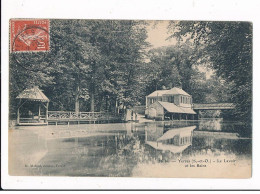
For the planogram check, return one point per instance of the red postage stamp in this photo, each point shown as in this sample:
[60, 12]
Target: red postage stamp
[29, 35]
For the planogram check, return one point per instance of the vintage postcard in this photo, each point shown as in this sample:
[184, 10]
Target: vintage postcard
[130, 98]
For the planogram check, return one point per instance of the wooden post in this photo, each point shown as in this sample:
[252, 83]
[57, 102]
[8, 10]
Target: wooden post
[47, 106]
[18, 115]
[18, 112]
[145, 129]
[39, 114]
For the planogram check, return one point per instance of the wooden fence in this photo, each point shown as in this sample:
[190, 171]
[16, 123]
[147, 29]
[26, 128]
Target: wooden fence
[67, 116]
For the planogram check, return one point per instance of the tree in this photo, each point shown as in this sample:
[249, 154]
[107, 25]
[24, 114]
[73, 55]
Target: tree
[21, 78]
[226, 47]
[95, 62]
[121, 45]
[176, 66]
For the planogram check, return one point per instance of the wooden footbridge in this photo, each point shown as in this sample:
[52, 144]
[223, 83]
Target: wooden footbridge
[214, 106]
[82, 117]
[37, 100]
[67, 117]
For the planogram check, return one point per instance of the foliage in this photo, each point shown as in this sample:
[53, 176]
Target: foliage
[92, 65]
[227, 48]
[98, 65]
[178, 66]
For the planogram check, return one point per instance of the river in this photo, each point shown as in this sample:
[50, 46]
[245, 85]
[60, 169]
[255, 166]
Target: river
[204, 148]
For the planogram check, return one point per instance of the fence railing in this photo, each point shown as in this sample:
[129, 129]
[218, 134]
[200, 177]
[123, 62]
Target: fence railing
[214, 106]
[87, 116]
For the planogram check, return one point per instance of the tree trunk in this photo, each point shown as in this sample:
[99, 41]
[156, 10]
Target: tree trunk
[116, 106]
[77, 91]
[77, 100]
[100, 103]
[92, 106]
[93, 85]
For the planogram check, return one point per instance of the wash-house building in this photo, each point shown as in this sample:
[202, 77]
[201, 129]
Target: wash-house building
[173, 104]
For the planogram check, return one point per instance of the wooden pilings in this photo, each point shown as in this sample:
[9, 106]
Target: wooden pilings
[180, 116]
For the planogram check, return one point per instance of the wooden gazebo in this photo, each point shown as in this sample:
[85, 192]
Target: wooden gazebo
[33, 107]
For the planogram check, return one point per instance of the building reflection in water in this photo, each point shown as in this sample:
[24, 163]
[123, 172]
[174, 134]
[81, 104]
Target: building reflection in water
[170, 143]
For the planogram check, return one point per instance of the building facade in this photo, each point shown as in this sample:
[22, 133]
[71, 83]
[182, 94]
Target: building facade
[170, 104]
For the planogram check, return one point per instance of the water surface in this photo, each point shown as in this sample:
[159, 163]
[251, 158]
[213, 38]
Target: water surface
[129, 149]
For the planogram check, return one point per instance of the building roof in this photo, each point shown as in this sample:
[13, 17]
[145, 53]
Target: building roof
[177, 91]
[33, 94]
[188, 110]
[172, 108]
[158, 93]
[173, 91]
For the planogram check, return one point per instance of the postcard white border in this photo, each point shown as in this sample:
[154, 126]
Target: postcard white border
[235, 10]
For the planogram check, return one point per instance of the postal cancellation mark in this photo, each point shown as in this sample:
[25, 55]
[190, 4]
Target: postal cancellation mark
[29, 35]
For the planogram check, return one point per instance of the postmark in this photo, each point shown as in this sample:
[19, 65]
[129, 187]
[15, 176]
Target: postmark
[30, 35]
[30, 43]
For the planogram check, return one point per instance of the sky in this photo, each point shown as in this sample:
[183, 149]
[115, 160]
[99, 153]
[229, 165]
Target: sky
[158, 33]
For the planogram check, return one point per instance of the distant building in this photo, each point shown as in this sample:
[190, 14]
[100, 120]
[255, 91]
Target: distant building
[169, 104]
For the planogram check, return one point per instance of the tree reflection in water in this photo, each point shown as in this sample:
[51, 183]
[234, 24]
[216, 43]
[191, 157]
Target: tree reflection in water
[118, 150]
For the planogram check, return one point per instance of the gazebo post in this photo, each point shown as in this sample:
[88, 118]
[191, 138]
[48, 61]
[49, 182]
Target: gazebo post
[47, 105]
[39, 115]
[18, 116]
[36, 95]
[18, 112]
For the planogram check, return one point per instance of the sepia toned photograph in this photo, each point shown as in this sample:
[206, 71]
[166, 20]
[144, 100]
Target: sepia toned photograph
[130, 98]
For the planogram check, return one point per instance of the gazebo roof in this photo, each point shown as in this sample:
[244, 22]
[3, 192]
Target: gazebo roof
[33, 94]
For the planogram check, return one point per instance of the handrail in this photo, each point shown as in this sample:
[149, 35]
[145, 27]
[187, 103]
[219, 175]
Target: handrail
[69, 115]
[74, 111]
